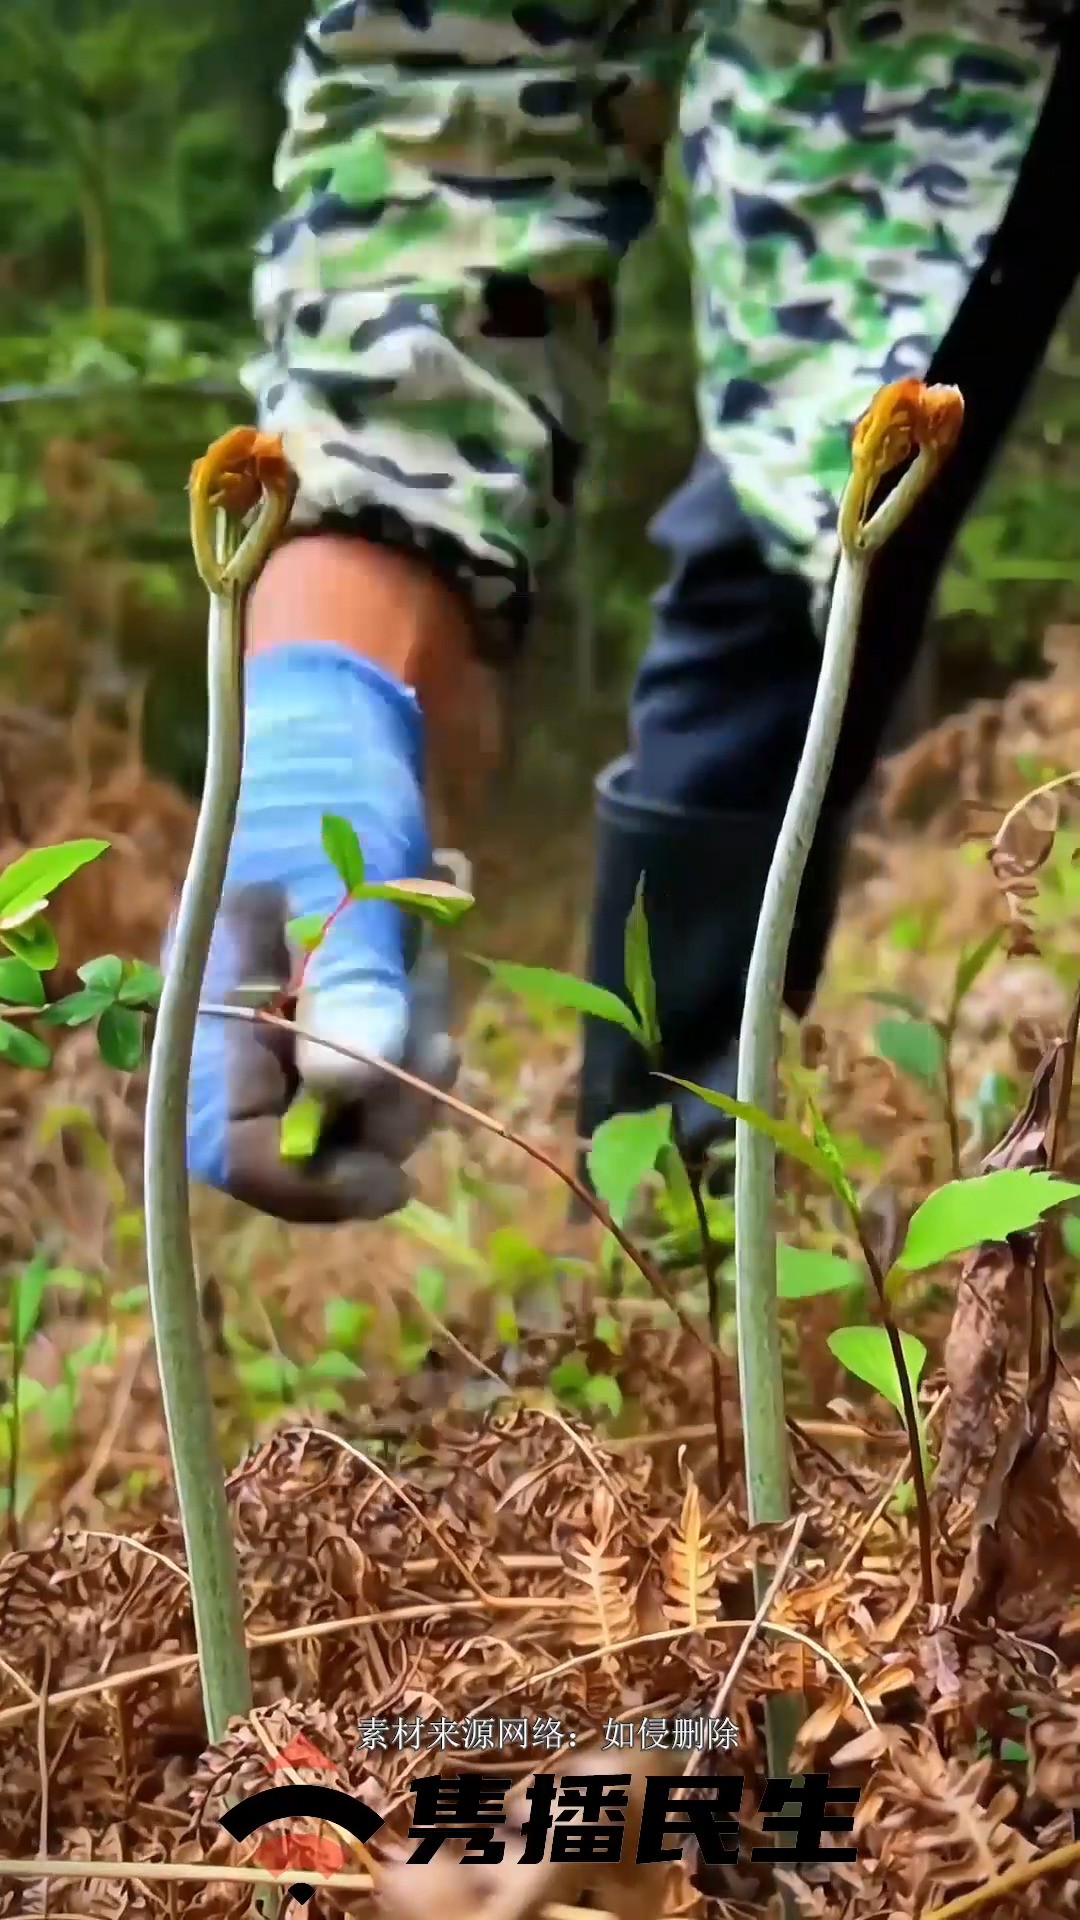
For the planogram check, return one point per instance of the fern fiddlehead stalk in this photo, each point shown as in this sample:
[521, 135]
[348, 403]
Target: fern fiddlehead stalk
[242, 477]
[904, 418]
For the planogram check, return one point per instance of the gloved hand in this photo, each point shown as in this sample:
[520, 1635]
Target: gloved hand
[325, 732]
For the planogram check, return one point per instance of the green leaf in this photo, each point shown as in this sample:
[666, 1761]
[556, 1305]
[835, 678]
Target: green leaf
[74, 1280]
[21, 984]
[35, 942]
[441, 1234]
[623, 1153]
[983, 1210]
[865, 1352]
[129, 1300]
[911, 932]
[104, 975]
[915, 1046]
[569, 1378]
[28, 1291]
[607, 1330]
[59, 1410]
[342, 849]
[75, 1009]
[141, 985]
[554, 989]
[972, 964]
[32, 1395]
[301, 1127]
[783, 1133]
[414, 1345]
[514, 1260]
[638, 973]
[802, 1272]
[21, 1048]
[129, 1224]
[347, 1321]
[306, 930]
[430, 1287]
[120, 1038]
[29, 881]
[603, 1394]
[434, 900]
[333, 1366]
[269, 1376]
[507, 1331]
[885, 997]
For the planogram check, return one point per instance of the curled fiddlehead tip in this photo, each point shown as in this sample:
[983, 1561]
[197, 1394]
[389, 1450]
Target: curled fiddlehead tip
[240, 471]
[905, 418]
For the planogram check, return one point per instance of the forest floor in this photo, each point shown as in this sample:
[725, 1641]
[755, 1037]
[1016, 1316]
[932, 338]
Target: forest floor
[438, 1513]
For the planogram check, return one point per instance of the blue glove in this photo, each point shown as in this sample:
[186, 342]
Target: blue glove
[325, 732]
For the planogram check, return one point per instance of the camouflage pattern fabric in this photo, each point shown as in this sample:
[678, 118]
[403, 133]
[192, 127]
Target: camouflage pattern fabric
[460, 179]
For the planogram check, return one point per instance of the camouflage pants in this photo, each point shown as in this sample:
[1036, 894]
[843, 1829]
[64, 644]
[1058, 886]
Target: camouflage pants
[459, 180]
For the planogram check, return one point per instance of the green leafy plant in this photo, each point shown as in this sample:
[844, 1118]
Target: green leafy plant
[115, 993]
[627, 1148]
[968, 1213]
[584, 1391]
[868, 1354]
[803, 1273]
[433, 900]
[922, 1047]
[28, 1405]
[622, 1154]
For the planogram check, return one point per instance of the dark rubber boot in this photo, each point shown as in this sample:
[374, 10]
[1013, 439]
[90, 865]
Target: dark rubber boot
[705, 876]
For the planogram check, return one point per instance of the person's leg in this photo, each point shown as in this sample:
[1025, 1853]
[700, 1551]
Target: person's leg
[723, 695]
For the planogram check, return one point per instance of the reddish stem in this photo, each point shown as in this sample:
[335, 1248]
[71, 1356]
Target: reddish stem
[291, 991]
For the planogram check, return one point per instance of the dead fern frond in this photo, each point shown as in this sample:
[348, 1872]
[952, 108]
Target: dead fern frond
[1019, 850]
[604, 1613]
[690, 1566]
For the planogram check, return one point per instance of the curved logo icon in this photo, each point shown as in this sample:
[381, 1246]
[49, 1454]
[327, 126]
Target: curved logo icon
[344, 1810]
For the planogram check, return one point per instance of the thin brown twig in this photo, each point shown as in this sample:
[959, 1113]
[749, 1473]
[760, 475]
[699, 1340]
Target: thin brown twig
[428, 1526]
[650, 1273]
[1009, 1882]
[879, 1507]
[576, 1440]
[17, 1680]
[1041, 1352]
[836, 1430]
[43, 1764]
[151, 1870]
[140, 1546]
[283, 1636]
[179, 1870]
[84, 1488]
[757, 1623]
[671, 1634]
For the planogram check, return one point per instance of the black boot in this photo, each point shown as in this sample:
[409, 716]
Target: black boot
[705, 877]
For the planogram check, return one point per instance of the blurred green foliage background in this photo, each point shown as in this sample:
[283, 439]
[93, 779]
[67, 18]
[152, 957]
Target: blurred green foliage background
[136, 145]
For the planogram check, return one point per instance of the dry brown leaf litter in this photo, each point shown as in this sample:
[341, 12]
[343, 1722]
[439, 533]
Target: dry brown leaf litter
[506, 1545]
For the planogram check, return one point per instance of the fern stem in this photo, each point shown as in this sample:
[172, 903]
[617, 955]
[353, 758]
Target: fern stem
[228, 564]
[174, 1297]
[902, 419]
[760, 1369]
